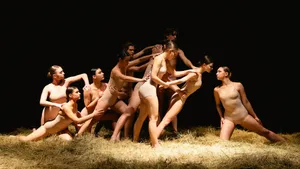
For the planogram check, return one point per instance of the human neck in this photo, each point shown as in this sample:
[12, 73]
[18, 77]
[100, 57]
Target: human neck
[226, 82]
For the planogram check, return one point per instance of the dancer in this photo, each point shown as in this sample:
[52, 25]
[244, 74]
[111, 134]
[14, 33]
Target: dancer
[147, 92]
[54, 94]
[134, 101]
[111, 93]
[164, 95]
[66, 115]
[234, 108]
[192, 84]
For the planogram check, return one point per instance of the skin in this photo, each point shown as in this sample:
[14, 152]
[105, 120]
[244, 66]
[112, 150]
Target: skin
[193, 82]
[149, 105]
[134, 101]
[94, 94]
[67, 115]
[129, 96]
[237, 109]
[110, 96]
[55, 91]
[163, 93]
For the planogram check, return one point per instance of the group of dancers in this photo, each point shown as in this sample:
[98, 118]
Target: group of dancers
[124, 95]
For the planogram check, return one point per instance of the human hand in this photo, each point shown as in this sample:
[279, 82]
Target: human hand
[58, 105]
[86, 87]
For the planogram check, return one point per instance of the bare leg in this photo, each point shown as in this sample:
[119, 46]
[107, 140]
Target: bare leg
[151, 108]
[129, 112]
[175, 108]
[128, 126]
[101, 107]
[36, 135]
[227, 129]
[139, 123]
[251, 124]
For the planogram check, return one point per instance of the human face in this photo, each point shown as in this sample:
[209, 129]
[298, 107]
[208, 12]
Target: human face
[172, 36]
[99, 75]
[130, 50]
[157, 48]
[60, 74]
[221, 74]
[209, 67]
[75, 94]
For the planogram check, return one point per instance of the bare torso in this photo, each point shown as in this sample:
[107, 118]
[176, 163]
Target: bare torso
[61, 121]
[231, 101]
[192, 85]
[56, 94]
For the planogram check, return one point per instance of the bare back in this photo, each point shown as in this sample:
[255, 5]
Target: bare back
[192, 85]
[61, 121]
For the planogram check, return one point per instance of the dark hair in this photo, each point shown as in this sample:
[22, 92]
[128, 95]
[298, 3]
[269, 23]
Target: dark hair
[123, 53]
[205, 60]
[171, 45]
[70, 90]
[171, 31]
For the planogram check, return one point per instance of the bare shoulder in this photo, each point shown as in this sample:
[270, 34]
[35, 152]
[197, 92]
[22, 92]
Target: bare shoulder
[48, 86]
[217, 88]
[238, 84]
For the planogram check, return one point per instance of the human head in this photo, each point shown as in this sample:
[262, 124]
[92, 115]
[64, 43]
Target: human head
[124, 58]
[171, 49]
[206, 63]
[128, 48]
[97, 75]
[171, 33]
[56, 72]
[72, 93]
[223, 72]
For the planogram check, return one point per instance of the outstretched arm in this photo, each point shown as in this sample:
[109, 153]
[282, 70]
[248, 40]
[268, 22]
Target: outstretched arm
[183, 79]
[117, 73]
[140, 53]
[139, 68]
[66, 108]
[186, 61]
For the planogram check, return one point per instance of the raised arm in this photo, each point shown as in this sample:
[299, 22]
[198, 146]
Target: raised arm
[75, 78]
[185, 60]
[140, 53]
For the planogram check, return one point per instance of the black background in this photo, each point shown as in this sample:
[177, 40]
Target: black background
[84, 35]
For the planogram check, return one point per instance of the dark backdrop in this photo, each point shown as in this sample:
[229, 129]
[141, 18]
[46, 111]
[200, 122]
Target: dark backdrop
[83, 35]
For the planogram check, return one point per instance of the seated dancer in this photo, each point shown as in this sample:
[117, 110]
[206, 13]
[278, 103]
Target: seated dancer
[66, 116]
